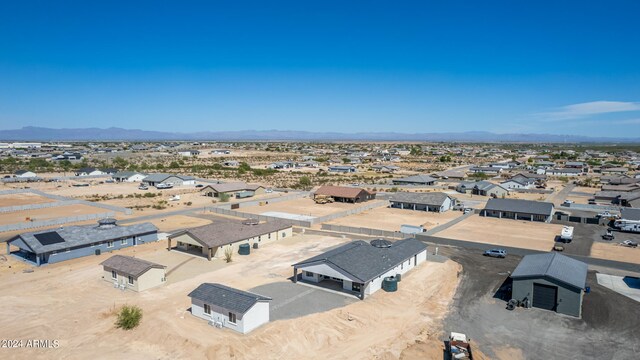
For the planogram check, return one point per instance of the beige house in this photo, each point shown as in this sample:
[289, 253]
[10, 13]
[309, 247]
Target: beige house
[126, 272]
[215, 190]
[214, 239]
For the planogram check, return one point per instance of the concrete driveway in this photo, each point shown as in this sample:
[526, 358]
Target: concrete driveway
[295, 300]
[627, 286]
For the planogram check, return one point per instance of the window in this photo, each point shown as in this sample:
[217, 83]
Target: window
[114, 275]
[124, 242]
[269, 237]
[130, 280]
[207, 309]
[232, 318]
[284, 234]
[308, 274]
[110, 244]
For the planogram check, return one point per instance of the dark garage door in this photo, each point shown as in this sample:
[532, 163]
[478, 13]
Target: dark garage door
[545, 296]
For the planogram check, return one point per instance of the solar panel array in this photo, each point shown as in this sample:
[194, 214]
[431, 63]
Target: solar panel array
[49, 238]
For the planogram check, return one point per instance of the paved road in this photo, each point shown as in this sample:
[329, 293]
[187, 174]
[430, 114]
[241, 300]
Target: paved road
[559, 197]
[445, 226]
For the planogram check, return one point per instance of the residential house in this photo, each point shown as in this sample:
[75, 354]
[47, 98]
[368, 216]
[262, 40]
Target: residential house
[25, 174]
[127, 272]
[431, 201]
[519, 209]
[174, 179]
[345, 194]
[216, 190]
[482, 188]
[419, 180]
[342, 168]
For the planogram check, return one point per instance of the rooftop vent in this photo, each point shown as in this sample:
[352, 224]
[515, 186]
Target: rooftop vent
[107, 223]
[250, 221]
[382, 244]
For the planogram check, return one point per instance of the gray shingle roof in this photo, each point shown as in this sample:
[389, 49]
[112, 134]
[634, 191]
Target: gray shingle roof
[520, 206]
[228, 231]
[160, 177]
[130, 265]
[232, 187]
[431, 198]
[553, 265]
[364, 262]
[416, 179]
[228, 298]
[126, 174]
[75, 236]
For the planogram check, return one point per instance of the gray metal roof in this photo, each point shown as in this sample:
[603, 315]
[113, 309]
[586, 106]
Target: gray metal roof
[553, 265]
[566, 170]
[431, 198]
[365, 262]
[520, 206]
[228, 298]
[130, 265]
[126, 174]
[160, 177]
[416, 179]
[229, 231]
[232, 187]
[75, 236]
[630, 214]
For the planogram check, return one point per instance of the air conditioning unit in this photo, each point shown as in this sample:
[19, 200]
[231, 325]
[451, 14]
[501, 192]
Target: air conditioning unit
[218, 324]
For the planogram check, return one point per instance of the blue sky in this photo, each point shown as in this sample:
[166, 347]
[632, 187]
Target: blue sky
[544, 67]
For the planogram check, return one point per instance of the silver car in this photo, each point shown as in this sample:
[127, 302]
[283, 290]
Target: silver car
[499, 253]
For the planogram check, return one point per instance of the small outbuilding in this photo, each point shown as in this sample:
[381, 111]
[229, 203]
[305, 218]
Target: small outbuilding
[345, 194]
[418, 180]
[550, 281]
[224, 306]
[519, 209]
[131, 273]
[431, 201]
[25, 174]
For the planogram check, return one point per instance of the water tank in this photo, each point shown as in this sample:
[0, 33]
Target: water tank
[255, 245]
[390, 284]
[97, 251]
[244, 249]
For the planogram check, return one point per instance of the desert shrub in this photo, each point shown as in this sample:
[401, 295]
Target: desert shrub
[228, 254]
[129, 317]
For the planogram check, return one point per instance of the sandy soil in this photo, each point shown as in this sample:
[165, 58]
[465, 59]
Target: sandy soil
[304, 206]
[23, 199]
[44, 214]
[527, 196]
[613, 251]
[579, 199]
[382, 326]
[506, 232]
[175, 222]
[391, 219]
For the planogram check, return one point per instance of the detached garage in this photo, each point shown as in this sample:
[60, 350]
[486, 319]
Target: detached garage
[550, 281]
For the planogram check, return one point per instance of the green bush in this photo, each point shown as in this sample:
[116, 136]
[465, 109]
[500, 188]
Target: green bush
[129, 317]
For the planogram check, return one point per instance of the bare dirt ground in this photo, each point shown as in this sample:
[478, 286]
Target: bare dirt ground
[382, 326]
[44, 214]
[527, 196]
[303, 206]
[23, 199]
[175, 222]
[613, 251]
[391, 219]
[506, 232]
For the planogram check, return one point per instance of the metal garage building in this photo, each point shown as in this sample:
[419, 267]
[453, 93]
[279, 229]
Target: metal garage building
[518, 209]
[550, 281]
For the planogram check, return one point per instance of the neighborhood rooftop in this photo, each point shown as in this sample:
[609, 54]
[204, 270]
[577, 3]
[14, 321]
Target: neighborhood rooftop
[431, 198]
[365, 262]
[228, 298]
[520, 206]
[130, 265]
[228, 231]
[553, 265]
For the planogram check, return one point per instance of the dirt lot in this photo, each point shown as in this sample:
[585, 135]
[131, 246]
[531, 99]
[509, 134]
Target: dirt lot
[506, 232]
[44, 214]
[304, 206]
[613, 251]
[382, 326]
[390, 219]
[23, 199]
[175, 222]
[606, 331]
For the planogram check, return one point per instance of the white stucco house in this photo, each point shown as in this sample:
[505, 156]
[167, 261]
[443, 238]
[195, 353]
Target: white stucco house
[223, 306]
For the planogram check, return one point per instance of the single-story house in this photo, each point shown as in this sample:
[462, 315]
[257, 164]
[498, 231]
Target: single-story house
[345, 194]
[431, 201]
[360, 267]
[614, 170]
[215, 190]
[25, 174]
[281, 165]
[550, 281]
[220, 152]
[385, 168]
[577, 165]
[128, 176]
[187, 153]
[70, 242]
[89, 172]
[622, 198]
[415, 180]
[518, 183]
[223, 306]
[518, 209]
[231, 163]
[342, 168]
[214, 239]
[486, 170]
[483, 188]
[564, 172]
[175, 180]
[127, 272]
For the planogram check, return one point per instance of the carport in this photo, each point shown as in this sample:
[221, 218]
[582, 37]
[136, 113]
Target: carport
[550, 281]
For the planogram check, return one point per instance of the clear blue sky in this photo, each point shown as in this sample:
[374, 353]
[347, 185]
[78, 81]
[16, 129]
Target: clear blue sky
[562, 67]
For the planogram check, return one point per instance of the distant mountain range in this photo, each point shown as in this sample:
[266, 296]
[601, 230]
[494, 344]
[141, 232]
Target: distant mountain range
[31, 133]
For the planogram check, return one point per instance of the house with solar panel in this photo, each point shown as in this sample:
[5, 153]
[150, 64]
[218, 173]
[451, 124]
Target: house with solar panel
[70, 242]
[223, 306]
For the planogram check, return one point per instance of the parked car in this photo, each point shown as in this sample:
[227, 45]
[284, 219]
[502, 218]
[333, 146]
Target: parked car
[199, 185]
[605, 214]
[608, 235]
[467, 210]
[558, 247]
[629, 243]
[499, 253]
[143, 187]
[568, 202]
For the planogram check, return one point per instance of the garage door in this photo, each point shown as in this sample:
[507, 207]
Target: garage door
[545, 296]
